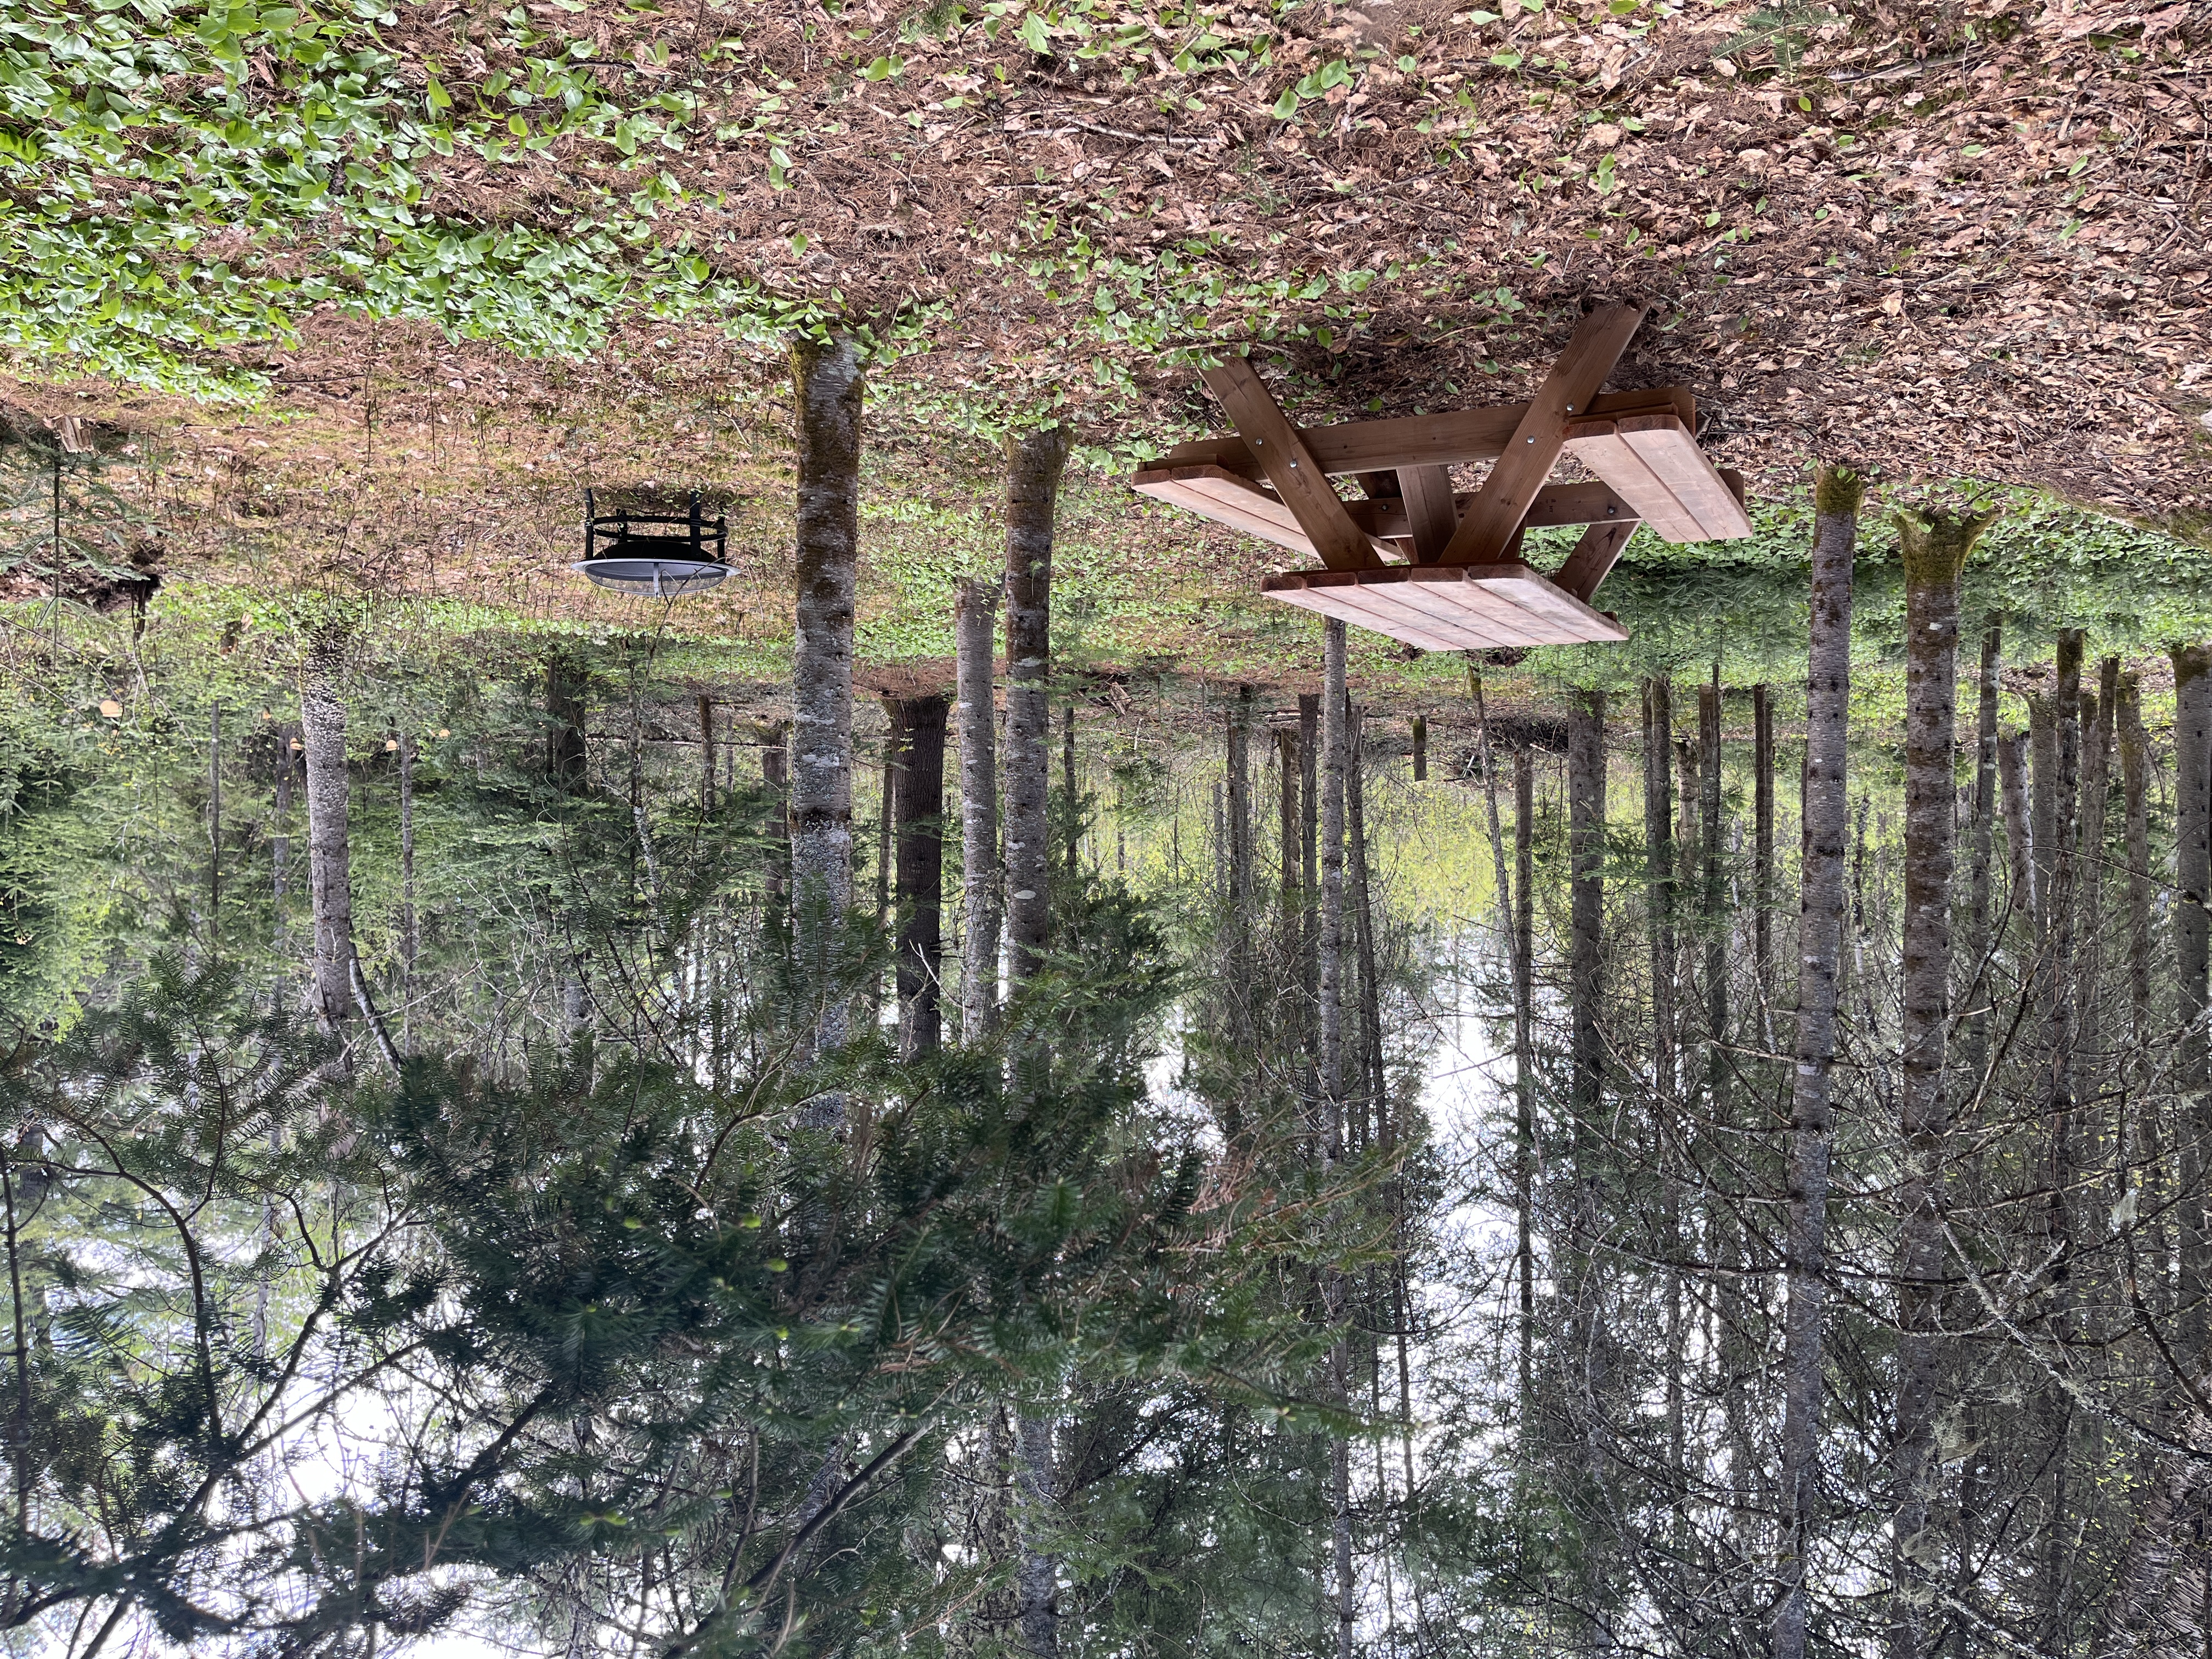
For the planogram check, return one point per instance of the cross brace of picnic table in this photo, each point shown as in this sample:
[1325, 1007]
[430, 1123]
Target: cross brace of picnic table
[1461, 584]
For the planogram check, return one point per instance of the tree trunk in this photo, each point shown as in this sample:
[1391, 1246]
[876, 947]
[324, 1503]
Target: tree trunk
[1377, 1106]
[1825, 813]
[280, 840]
[2043, 825]
[215, 826]
[1666, 1083]
[1034, 464]
[1762, 853]
[2192, 875]
[329, 877]
[775, 773]
[1420, 749]
[706, 753]
[1286, 765]
[827, 386]
[1713, 906]
[1329, 946]
[1586, 861]
[1659, 875]
[980, 884]
[1524, 1068]
[920, 815]
[2134, 795]
[1935, 550]
[2096, 795]
[2021, 899]
[1036, 1496]
[409, 933]
[1068, 790]
[2145, 1148]
[1589, 1349]
[1975, 1031]
[1329, 952]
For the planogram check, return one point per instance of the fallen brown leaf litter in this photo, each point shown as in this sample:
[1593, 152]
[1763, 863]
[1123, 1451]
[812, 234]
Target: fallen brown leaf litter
[1942, 246]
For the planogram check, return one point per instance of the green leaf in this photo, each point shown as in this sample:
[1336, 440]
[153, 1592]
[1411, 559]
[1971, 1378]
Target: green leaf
[1287, 105]
[1033, 36]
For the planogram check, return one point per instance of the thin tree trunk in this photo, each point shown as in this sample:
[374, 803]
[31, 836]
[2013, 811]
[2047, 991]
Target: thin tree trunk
[1586, 860]
[1524, 1069]
[1036, 1496]
[1975, 1031]
[1590, 1349]
[2143, 1148]
[1762, 853]
[280, 841]
[215, 826]
[1067, 785]
[1034, 460]
[1825, 814]
[775, 773]
[706, 753]
[2096, 796]
[409, 934]
[1420, 749]
[1286, 765]
[1237, 991]
[330, 878]
[2134, 799]
[2043, 826]
[1659, 875]
[1376, 1080]
[981, 886]
[2192, 875]
[1665, 1083]
[1935, 550]
[1713, 906]
[921, 859]
[2019, 849]
[827, 385]
[1330, 943]
[1329, 950]
[1034, 464]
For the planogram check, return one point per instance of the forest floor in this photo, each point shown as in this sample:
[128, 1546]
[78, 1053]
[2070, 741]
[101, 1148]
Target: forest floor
[1950, 245]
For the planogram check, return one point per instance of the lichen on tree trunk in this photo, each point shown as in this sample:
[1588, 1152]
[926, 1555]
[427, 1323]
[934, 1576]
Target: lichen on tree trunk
[826, 377]
[1934, 549]
[977, 610]
[1825, 814]
[1034, 464]
[330, 874]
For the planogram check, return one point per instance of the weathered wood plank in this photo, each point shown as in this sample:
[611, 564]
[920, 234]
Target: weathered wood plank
[1665, 446]
[1448, 438]
[1598, 445]
[1226, 498]
[1495, 514]
[1229, 498]
[1297, 478]
[1487, 608]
